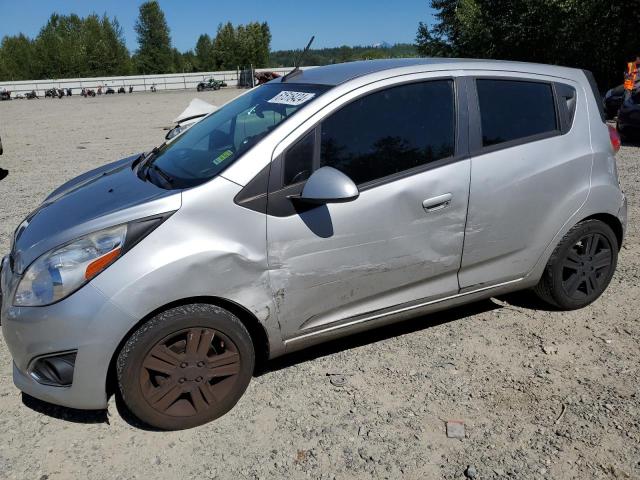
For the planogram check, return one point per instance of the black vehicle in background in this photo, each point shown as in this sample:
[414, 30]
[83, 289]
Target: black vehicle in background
[614, 98]
[211, 84]
[3, 172]
[628, 123]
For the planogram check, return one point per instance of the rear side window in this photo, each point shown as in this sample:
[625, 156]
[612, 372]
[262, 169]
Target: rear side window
[391, 131]
[513, 110]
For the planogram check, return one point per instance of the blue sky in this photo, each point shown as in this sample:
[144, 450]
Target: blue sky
[334, 22]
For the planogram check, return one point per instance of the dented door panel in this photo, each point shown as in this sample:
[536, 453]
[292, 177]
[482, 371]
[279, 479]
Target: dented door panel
[384, 249]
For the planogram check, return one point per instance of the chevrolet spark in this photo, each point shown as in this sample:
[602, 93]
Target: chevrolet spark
[324, 203]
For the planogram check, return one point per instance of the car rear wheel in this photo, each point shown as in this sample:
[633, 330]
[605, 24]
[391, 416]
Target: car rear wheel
[580, 267]
[185, 367]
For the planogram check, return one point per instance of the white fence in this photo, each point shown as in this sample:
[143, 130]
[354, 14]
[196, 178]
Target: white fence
[140, 83]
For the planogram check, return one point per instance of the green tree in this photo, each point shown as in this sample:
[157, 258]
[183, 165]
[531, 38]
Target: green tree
[47, 50]
[591, 34]
[154, 53]
[204, 53]
[242, 46]
[116, 60]
[225, 47]
[66, 46]
[326, 56]
[189, 61]
[16, 58]
[94, 48]
[263, 33]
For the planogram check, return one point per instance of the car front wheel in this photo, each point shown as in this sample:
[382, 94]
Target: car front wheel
[185, 367]
[580, 267]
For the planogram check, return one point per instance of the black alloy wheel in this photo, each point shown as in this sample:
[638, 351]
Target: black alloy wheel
[581, 266]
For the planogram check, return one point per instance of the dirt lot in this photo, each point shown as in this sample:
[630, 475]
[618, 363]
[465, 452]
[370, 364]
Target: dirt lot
[542, 394]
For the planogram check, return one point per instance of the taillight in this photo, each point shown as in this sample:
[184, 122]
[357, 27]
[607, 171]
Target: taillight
[614, 136]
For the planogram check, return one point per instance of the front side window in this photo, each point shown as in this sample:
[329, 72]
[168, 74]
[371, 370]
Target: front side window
[298, 164]
[213, 144]
[391, 131]
[512, 110]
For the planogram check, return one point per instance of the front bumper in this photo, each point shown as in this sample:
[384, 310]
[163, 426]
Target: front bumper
[86, 322]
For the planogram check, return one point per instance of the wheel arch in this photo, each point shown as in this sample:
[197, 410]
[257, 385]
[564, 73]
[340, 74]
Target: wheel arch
[612, 221]
[259, 335]
[609, 219]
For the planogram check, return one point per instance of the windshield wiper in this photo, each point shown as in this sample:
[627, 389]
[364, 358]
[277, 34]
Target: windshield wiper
[145, 161]
[165, 176]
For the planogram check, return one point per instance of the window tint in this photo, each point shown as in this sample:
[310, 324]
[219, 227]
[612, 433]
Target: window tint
[391, 131]
[298, 163]
[511, 110]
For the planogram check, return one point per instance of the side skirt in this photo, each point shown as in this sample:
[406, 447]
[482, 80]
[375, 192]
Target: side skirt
[398, 313]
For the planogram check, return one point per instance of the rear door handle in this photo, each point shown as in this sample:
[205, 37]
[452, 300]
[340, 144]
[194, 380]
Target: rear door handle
[437, 203]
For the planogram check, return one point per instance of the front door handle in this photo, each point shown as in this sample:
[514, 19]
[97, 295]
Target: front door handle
[437, 203]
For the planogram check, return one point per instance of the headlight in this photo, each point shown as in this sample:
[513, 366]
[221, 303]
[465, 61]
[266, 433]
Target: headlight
[62, 271]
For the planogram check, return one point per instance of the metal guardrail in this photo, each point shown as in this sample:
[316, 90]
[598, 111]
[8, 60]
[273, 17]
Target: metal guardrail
[140, 83]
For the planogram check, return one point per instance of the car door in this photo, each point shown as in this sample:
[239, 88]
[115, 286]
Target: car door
[531, 165]
[401, 239]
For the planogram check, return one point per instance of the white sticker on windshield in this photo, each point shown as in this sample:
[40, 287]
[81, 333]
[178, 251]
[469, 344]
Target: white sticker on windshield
[292, 98]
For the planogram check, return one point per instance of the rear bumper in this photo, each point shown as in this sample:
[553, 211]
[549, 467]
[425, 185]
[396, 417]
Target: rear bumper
[86, 322]
[622, 216]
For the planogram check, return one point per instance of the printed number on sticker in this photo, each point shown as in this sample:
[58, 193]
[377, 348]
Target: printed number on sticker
[292, 98]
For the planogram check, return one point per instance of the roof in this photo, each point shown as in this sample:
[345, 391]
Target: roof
[343, 72]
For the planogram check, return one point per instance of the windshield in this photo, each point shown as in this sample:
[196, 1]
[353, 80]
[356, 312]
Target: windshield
[213, 144]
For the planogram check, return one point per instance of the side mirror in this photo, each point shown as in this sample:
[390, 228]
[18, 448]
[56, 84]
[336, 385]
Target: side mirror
[328, 185]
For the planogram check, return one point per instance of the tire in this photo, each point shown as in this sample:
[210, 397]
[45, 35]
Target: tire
[581, 266]
[185, 367]
[199, 88]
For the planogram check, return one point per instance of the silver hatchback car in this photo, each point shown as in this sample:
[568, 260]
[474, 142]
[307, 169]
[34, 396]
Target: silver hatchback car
[322, 204]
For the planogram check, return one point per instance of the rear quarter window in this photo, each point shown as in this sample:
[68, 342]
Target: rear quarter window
[513, 110]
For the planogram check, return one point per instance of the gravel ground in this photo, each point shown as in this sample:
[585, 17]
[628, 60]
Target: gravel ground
[542, 394]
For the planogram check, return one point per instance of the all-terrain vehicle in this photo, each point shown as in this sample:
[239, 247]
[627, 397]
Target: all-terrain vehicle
[211, 84]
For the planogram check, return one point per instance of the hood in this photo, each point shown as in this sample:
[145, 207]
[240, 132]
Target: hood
[104, 197]
[197, 108]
